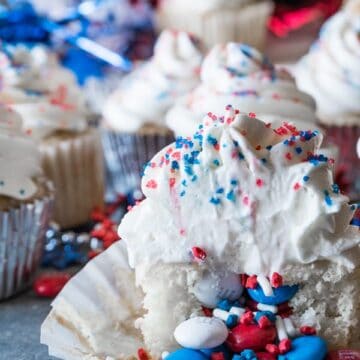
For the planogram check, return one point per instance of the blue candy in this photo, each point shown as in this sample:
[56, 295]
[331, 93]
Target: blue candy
[224, 305]
[232, 320]
[281, 295]
[187, 354]
[306, 348]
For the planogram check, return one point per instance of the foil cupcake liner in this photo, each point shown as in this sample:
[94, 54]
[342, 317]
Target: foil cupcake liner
[222, 26]
[76, 168]
[22, 232]
[125, 157]
[348, 164]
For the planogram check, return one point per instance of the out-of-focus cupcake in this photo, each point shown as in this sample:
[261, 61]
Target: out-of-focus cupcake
[240, 75]
[134, 115]
[55, 117]
[26, 199]
[218, 21]
[330, 72]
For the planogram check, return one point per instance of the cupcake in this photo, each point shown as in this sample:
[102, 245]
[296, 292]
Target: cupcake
[250, 253]
[218, 21]
[330, 72]
[239, 75]
[55, 117]
[132, 133]
[26, 199]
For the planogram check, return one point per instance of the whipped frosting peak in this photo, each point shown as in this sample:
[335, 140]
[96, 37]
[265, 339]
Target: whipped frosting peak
[238, 74]
[172, 72]
[20, 161]
[242, 192]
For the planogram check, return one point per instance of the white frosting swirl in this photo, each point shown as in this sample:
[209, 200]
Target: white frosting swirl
[44, 93]
[254, 199]
[20, 161]
[172, 72]
[239, 75]
[331, 70]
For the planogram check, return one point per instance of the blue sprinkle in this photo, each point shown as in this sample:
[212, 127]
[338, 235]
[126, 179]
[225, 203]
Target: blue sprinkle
[236, 144]
[335, 188]
[248, 355]
[232, 321]
[234, 182]
[224, 305]
[216, 162]
[298, 150]
[194, 178]
[183, 183]
[269, 147]
[241, 156]
[215, 201]
[210, 139]
[220, 191]
[182, 193]
[175, 165]
[231, 196]
[327, 198]
[263, 160]
[306, 178]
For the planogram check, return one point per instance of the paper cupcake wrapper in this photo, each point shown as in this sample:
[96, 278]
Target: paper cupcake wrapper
[75, 166]
[95, 312]
[125, 158]
[247, 24]
[22, 232]
[346, 138]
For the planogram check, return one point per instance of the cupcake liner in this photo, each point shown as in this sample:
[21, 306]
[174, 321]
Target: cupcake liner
[75, 166]
[22, 232]
[222, 26]
[95, 312]
[348, 164]
[125, 157]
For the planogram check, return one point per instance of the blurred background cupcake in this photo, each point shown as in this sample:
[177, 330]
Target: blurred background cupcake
[134, 115]
[218, 21]
[25, 205]
[239, 75]
[55, 117]
[330, 72]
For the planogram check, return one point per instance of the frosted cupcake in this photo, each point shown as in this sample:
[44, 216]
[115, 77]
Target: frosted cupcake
[133, 116]
[25, 205]
[218, 21]
[331, 74]
[55, 117]
[239, 75]
[250, 231]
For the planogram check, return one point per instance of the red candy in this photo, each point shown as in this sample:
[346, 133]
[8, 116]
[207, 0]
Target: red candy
[272, 349]
[285, 346]
[247, 318]
[142, 355]
[243, 337]
[344, 355]
[308, 330]
[217, 356]
[251, 282]
[276, 280]
[50, 285]
[264, 322]
[265, 356]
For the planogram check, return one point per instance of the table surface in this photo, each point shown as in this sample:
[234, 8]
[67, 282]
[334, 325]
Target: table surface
[21, 317]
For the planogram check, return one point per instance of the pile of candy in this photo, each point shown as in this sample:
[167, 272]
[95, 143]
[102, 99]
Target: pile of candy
[247, 325]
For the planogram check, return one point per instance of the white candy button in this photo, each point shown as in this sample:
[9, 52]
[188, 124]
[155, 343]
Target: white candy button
[211, 289]
[201, 333]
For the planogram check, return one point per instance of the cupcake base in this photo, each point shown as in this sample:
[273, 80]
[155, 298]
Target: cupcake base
[223, 25]
[126, 154]
[75, 166]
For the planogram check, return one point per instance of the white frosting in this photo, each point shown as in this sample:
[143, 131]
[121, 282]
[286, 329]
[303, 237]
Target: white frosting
[44, 93]
[145, 95]
[20, 161]
[239, 75]
[252, 199]
[331, 71]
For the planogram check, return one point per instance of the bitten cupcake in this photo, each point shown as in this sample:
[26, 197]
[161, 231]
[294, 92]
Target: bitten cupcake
[240, 75]
[26, 199]
[133, 117]
[242, 249]
[331, 74]
[218, 21]
[55, 117]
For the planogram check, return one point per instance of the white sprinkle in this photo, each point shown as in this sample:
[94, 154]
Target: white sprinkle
[221, 314]
[290, 328]
[237, 311]
[265, 307]
[280, 327]
[265, 285]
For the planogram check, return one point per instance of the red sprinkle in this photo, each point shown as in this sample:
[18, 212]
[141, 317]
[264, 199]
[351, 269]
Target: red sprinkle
[272, 349]
[308, 330]
[252, 115]
[217, 356]
[151, 184]
[259, 182]
[251, 282]
[198, 253]
[288, 156]
[172, 182]
[207, 312]
[276, 280]
[264, 322]
[284, 346]
[142, 354]
[247, 318]
[297, 186]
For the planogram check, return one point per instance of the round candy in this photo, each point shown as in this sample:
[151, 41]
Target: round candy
[344, 355]
[211, 289]
[306, 348]
[201, 333]
[281, 295]
[243, 337]
[50, 285]
[186, 354]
